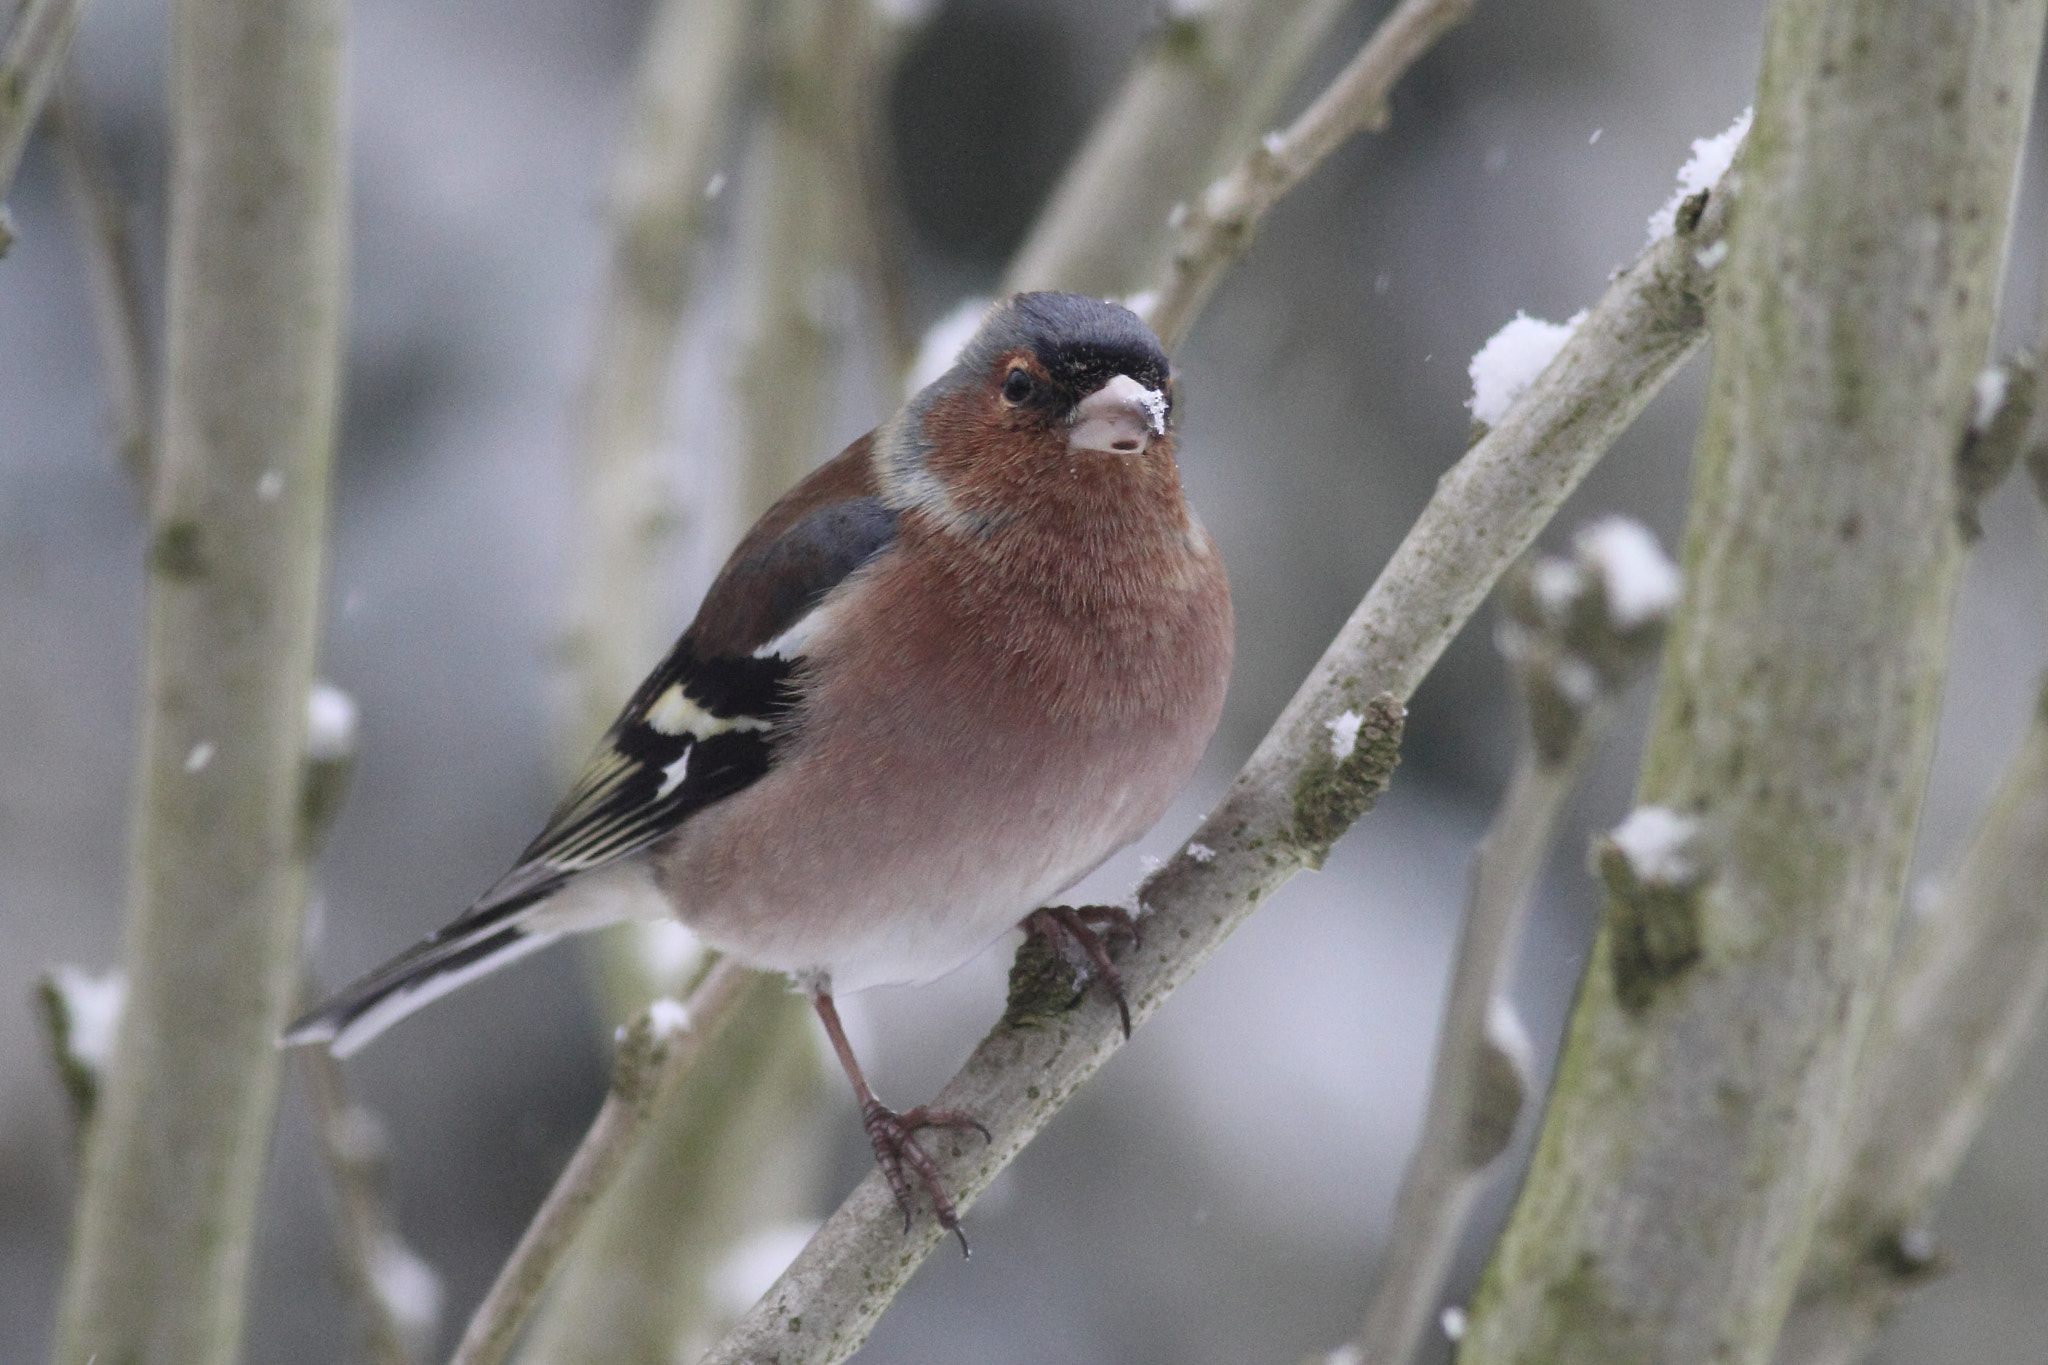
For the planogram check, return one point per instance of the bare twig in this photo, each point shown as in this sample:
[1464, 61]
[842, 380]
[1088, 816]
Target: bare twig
[396, 1331]
[654, 1052]
[175, 1156]
[29, 63]
[1294, 797]
[731, 1149]
[1219, 224]
[1710, 1060]
[1961, 1006]
[1212, 78]
[1577, 634]
[822, 60]
[661, 197]
[101, 213]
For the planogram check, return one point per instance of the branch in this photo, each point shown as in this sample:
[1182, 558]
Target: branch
[1960, 1008]
[1217, 227]
[1578, 633]
[1710, 1059]
[823, 56]
[655, 1051]
[625, 505]
[175, 1155]
[29, 64]
[398, 1294]
[1295, 796]
[1209, 82]
[729, 1150]
[101, 214]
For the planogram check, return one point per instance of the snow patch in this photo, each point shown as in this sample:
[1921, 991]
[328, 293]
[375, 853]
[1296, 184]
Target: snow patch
[1657, 841]
[1641, 581]
[201, 754]
[331, 717]
[1344, 734]
[1510, 361]
[1201, 853]
[1710, 159]
[1452, 1320]
[1990, 386]
[943, 340]
[407, 1286]
[750, 1269]
[668, 1017]
[92, 1012]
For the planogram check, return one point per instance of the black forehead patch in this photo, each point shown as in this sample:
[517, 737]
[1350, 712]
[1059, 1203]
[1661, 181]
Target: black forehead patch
[1083, 342]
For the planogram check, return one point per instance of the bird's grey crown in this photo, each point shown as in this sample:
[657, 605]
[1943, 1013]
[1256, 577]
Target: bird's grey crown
[1083, 342]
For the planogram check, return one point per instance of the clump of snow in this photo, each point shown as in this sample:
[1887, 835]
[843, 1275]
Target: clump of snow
[1711, 256]
[1709, 162]
[1578, 680]
[1990, 386]
[715, 186]
[201, 754]
[668, 1017]
[270, 487]
[1344, 734]
[1155, 410]
[92, 1012]
[1506, 1031]
[1657, 841]
[1510, 361]
[1641, 581]
[1149, 863]
[1201, 853]
[750, 1269]
[331, 717]
[668, 949]
[1556, 584]
[1452, 1320]
[407, 1286]
[943, 340]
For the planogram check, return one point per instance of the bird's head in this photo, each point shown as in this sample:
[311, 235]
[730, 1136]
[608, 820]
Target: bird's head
[1053, 388]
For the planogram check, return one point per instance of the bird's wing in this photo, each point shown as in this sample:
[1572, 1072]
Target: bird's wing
[707, 722]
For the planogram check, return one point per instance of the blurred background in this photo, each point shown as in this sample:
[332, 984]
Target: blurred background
[1220, 1192]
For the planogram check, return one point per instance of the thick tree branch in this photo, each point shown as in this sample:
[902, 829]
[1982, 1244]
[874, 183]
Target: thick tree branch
[176, 1152]
[1210, 81]
[1292, 800]
[655, 1051]
[1710, 1060]
[29, 64]
[1962, 1004]
[1578, 633]
[1216, 227]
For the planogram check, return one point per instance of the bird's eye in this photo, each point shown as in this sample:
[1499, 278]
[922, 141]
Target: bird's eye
[1017, 387]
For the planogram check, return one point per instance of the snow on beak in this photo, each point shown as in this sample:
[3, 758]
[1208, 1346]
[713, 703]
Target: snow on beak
[1120, 418]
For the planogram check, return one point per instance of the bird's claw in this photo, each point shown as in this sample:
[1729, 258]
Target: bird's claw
[1078, 925]
[890, 1134]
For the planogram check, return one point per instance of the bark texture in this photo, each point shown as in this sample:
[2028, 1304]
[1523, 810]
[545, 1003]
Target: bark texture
[1709, 1062]
[237, 517]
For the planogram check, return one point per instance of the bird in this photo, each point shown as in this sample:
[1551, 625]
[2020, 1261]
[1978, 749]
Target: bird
[940, 681]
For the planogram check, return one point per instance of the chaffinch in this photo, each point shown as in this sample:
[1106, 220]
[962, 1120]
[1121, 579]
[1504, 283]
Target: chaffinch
[939, 682]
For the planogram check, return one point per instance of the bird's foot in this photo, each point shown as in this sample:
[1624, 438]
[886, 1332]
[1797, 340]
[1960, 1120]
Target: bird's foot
[890, 1134]
[1078, 925]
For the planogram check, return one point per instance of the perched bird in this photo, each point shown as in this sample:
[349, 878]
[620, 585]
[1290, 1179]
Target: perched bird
[938, 683]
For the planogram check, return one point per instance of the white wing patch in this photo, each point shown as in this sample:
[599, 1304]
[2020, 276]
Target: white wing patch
[672, 776]
[795, 642]
[674, 713]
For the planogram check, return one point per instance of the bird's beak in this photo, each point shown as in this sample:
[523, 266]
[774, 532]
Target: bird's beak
[1120, 418]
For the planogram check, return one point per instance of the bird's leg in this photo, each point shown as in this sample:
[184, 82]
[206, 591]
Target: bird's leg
[890, 1133]
[1076, 925]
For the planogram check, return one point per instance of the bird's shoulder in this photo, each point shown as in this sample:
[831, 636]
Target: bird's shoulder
[708, 721]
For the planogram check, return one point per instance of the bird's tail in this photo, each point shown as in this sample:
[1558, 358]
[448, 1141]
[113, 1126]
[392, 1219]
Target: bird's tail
[492, 934]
